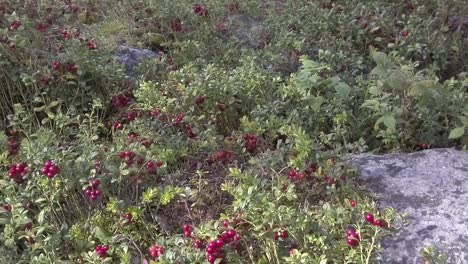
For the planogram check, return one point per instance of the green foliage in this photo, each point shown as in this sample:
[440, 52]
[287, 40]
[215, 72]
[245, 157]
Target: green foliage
[216, 130]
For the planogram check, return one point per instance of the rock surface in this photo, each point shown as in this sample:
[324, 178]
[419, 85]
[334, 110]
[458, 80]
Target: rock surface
[130, 57]
[247, 30]
[432, 187]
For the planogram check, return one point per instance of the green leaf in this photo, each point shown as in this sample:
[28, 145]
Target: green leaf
[343, 90]
[103, 235]
[389, 121]
[457, 132]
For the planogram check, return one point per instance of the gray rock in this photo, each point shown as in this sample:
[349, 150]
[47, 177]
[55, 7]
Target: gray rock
[432, 187]
[247, 30]
[131, 57]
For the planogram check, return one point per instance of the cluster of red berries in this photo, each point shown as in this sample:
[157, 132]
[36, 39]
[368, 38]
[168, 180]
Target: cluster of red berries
[130, 115]
[330, 180]
[127, 156]
[41, 27]
[70, 67]
[152, 166]
[93, 191]
[200, 100]
[379, 222]
[176, 25]
[156, 251]
[13, 147]
[127, 218]
[222, 156]
[214, 249]
[91, 45]
[65, 34]
[352, 237]
[282, 233]
[18, 171]
[424, 146]
[56, 65]
[250, 142]
[45, 80]
[50, 169]
[189, 132]
[14, 25]
[121, 100]
[178, 118]
[117, 126]
[200, 10]
[188, 229]
[101, 250]
[155, 112]
[295, 175]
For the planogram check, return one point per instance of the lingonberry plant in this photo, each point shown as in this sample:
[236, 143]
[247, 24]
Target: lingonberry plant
[226, 147]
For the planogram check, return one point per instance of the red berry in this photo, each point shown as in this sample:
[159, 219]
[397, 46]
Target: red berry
[219, 243]
[56, 65]
[91, 45]
[369, 218]
[404, 33]
[231, 233]
[352, 242]
[200, 10]
[199, 100]
[380, 222]
[198, 244]
[7, 207]
[225, 223]
[353, 203]
[283, 234]
[95, 183]
[15, 25]
[276, 236]
[176, 25]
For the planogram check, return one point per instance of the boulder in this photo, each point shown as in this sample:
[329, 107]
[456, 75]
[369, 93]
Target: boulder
[432, 187]
[246, 30]
[131, 57]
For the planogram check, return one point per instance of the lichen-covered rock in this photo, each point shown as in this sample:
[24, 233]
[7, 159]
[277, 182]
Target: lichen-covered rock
[130, 57]
[432, 187]
[247, 30]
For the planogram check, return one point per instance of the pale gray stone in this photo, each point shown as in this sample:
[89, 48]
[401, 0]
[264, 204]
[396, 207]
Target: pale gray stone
[432, 187]
[131, 57]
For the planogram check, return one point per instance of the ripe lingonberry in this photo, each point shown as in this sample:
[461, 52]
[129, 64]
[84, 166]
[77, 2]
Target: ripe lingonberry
[200, 10]
[352, 203]
[50, 169]
[380, 222]
[250, 142]
[56, 65]
[176, 25]
[187, 231]
[199, 100]
[352, 238]
[91, 45]
[156, 251]
[18, 171]
[101, 250]
[369, 218]
[15, 25]
[13, 147]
